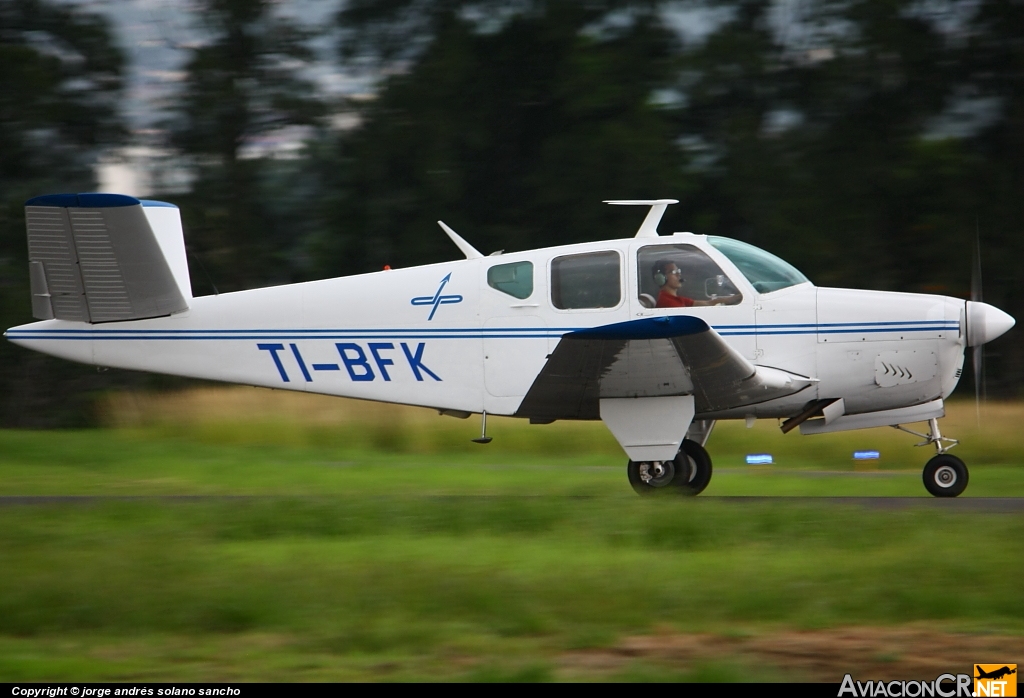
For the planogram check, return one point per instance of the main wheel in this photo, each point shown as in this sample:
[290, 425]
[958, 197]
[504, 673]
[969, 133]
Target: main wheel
[945, 476]
[649, 476]
[698, 467]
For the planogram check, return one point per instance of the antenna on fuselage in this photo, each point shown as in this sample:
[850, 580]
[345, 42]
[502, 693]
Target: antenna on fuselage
[649, 228]
[467, 249]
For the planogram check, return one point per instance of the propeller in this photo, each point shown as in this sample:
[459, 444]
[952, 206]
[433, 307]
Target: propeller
[976, 296]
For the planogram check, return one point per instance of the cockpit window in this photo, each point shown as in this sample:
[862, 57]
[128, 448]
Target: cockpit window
[681, 276]
[515, 279]
[764, 271]
[586, 281]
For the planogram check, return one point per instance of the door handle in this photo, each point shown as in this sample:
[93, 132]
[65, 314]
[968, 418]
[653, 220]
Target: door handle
[525, 305]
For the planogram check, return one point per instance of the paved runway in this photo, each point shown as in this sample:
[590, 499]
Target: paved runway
[993, 505]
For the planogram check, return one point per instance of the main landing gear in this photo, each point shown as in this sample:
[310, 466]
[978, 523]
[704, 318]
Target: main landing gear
[944, 475]
[687, 474]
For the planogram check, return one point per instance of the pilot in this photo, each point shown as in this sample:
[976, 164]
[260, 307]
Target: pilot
[670, 278]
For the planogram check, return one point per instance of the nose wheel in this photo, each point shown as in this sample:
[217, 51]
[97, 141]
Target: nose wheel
[687, 474]
[944, 475]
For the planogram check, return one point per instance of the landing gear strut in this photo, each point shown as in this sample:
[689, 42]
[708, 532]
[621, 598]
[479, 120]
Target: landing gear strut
[688, 474]
[944, 475]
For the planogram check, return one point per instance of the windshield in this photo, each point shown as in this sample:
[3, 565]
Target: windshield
[763, 270]
[698, 279]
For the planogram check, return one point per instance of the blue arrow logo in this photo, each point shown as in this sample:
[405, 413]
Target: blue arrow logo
[437, 299]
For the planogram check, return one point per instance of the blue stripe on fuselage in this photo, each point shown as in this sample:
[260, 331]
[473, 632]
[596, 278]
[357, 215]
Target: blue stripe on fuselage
[474, 333]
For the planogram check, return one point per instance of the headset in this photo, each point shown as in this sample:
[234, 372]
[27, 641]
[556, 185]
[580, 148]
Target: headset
[659, 271]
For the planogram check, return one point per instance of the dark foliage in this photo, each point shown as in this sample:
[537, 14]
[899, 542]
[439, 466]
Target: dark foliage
[513, 137]
[60, 79]
[243, 85]
[834, 144]
[866, 141]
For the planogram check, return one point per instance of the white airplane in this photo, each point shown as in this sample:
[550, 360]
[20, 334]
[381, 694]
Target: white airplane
[657, 336]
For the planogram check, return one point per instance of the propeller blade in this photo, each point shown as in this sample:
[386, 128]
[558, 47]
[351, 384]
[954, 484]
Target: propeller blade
[976, 266]
[976, 356]
[976, 360]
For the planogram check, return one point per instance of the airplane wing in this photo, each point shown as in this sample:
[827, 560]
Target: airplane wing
[652, 357]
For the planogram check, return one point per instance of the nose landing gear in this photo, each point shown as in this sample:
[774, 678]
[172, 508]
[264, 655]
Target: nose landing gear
[944, 475]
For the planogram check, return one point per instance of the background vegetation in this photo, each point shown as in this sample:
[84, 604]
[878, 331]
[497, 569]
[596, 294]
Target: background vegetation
[251, 534]
[867, 141]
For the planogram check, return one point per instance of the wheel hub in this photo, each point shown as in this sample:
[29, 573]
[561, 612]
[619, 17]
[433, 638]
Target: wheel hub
[657, 473]
[945, 476]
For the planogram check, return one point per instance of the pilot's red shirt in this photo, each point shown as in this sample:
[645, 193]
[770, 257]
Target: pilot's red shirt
[667, 300]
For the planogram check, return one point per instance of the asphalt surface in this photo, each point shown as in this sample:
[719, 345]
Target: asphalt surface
[990, 505]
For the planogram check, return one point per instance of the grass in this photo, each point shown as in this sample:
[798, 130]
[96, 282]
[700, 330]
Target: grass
[420, 581]
[360, 557]
[259, 417]
[254, 441]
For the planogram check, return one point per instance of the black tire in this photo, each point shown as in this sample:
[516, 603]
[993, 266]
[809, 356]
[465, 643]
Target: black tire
[945, 476]
[698, 468]
[636, 470]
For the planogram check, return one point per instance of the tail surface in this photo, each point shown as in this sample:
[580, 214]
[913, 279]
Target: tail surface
[105, 258]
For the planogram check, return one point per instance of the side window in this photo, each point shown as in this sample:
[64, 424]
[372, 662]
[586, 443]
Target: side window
[515, 279]
[681, 276]
[586, 281]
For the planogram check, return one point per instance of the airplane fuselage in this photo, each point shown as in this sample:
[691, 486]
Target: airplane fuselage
[472, 335]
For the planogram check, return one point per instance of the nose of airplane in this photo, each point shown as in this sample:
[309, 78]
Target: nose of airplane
[985, 322]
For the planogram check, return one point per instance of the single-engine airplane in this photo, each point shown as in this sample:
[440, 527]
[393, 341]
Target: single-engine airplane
[657, 336]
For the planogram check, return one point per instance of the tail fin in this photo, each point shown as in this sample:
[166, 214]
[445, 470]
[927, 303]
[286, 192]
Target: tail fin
[165, 220]
[105, 258]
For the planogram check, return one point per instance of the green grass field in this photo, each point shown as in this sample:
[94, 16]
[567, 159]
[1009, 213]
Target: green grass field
[376, 543]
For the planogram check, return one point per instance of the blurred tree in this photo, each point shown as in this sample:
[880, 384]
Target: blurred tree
[994, 76]
[242, 86]
[823, 136]
[833, 144]
[511, 126]
[864, 140]
[60, 81]
[821, 140]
